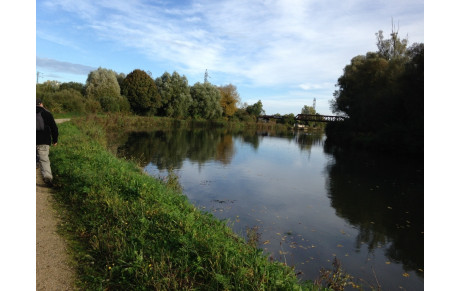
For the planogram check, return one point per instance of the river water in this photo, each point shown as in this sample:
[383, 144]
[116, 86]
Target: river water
[308, 204]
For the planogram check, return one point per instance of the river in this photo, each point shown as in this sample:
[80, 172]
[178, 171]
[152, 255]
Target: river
[308, 204]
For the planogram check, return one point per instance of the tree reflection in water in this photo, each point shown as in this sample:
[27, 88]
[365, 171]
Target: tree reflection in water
[386, 211]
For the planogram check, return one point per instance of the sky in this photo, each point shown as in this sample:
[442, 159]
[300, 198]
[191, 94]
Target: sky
[284, 53]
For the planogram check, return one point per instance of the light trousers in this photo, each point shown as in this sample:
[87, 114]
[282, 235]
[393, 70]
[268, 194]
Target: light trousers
[44, 161]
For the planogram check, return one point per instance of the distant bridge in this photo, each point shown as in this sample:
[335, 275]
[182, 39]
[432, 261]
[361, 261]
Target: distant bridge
[308, 117]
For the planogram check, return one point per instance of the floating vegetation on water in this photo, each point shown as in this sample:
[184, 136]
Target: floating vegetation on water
[337, 278]
[205, 182]
[223, 201]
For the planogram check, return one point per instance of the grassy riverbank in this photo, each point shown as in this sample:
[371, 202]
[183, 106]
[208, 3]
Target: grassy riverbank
[130, 231]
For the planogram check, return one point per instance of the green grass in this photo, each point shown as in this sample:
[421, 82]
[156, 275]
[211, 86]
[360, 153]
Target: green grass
[68, 115]
[129, 231]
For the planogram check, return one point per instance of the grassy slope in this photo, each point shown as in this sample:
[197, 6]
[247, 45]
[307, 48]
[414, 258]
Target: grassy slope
[132, 232]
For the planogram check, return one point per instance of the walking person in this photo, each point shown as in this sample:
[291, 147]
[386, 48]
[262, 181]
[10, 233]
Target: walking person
[47, 134]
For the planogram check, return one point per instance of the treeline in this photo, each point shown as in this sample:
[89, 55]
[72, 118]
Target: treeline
[138, 93]
[382, 93]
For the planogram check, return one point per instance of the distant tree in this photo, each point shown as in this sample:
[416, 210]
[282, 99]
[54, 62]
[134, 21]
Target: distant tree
[175, 95]
[289, 119]
[120, 78]
[256, 109]
[206, 101]
[115, 104]
[70, 100]
[102, 86]
[229, 99]
[308, 110]
[73, 85]
[45, 90]
[141, 92]
[242, 115]
[48, 86]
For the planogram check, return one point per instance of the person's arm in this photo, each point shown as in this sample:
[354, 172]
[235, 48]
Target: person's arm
[54, 129]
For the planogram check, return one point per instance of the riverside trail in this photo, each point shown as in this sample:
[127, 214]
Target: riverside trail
[53, 268]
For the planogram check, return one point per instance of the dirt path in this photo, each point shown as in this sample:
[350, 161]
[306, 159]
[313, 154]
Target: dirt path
[53, 271]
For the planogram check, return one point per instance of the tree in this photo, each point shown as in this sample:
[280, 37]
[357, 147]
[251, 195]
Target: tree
[68, 100]
[120, 78]
[391, 48]
[363, 85]
[73, 85]
[206, 101]
[382, 94]
[141, 92]
[256, 109]
[308, 110]
[48, 86]
[102, 86]
[229, 99]
[175, 95]
[102, 82]
[289, 119]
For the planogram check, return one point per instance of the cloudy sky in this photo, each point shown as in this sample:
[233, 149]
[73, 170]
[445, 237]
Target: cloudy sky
[284, 53]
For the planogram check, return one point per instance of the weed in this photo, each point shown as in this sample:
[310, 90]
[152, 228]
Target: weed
[336, 279]
[253, 236]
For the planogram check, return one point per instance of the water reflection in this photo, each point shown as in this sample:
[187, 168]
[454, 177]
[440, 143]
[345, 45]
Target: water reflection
[169, 149]
[310, 203]
[383, 198]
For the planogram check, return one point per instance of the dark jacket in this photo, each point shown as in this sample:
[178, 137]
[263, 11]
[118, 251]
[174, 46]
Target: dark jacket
[50, 134]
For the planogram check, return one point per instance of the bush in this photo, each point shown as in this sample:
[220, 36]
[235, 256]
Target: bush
[64, 101]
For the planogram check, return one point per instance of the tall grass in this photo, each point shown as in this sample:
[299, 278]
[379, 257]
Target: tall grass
[130, 231]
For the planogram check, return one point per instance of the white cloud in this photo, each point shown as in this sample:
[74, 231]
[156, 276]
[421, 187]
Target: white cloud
[63, 67]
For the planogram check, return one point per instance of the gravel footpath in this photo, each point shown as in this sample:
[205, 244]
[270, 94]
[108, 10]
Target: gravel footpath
[53, 270]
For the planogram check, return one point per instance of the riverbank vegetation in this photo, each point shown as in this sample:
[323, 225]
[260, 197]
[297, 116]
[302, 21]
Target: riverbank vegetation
[130, 231]
[382, 93]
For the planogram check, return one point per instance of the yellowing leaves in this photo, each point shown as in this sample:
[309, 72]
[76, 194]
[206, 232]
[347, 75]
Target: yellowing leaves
[406, 275]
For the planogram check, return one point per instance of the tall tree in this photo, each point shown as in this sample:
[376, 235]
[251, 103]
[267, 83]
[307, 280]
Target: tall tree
[382, 94]
[391, 48]
[229, 99]
[120, 78]
[206, 101]
[73, 85]
[256, 109]
[141, 92]
[308, 110]
[102, 82]
[175, 95]
[102, 86]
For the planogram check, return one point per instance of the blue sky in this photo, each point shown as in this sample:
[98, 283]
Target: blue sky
[284, 53]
